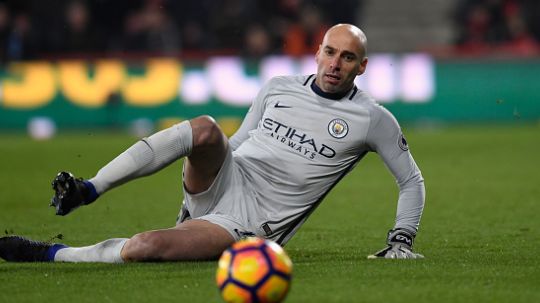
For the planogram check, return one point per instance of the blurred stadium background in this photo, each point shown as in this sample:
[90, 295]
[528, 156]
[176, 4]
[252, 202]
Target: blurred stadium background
[144, 64]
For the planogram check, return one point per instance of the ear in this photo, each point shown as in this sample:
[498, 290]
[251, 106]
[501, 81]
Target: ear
[317, 54]
[362, 67]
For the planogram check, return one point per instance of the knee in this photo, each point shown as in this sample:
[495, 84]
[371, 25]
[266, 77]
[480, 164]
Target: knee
[146, 246]
[206, 132]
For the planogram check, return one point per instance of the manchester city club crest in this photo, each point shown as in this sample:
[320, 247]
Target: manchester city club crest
[338, 128]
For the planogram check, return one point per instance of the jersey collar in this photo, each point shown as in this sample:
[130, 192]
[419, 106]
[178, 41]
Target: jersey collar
[334, 96]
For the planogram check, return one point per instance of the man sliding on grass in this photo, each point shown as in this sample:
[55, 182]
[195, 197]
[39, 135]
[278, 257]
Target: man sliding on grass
[301, 136]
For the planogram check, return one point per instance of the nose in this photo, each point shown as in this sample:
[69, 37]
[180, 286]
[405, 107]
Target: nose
[335, 64]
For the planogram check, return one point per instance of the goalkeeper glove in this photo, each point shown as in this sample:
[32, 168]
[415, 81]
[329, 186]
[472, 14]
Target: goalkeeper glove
[400, 242]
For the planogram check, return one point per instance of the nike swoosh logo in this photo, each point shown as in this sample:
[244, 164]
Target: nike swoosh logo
[277, 105]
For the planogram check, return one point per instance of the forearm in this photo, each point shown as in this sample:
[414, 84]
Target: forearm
[410, 205]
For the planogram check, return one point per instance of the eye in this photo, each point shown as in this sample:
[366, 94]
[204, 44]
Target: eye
[349, 58]
[329, 51]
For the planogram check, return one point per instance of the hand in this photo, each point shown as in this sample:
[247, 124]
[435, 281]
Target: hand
[400, 244]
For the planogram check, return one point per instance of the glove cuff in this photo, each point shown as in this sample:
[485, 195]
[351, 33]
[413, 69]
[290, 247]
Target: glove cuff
[400, 236]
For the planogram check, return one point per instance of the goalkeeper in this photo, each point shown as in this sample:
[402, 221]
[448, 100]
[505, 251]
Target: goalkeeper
[301, 136]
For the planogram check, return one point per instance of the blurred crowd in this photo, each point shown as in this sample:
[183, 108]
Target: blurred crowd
[498, 26]
[32, 29]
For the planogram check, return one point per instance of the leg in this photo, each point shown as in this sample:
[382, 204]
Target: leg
[200, 139]
[20, 249]
[145, 157]
[191, 240]
[209, 151]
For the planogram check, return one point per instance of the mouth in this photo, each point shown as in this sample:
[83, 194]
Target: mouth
[332, 78]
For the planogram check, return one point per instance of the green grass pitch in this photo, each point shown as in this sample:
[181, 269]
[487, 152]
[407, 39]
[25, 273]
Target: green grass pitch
[480, 230]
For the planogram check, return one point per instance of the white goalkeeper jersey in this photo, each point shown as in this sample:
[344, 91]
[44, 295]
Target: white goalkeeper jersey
[297, 142]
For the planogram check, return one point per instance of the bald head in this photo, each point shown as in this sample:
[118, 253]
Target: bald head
[355, 34]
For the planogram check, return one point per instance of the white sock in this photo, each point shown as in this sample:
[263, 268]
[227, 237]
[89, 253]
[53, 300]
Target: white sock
[146, 157]
[107, 251]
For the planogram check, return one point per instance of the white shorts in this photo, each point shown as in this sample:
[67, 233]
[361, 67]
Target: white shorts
[229, 202]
